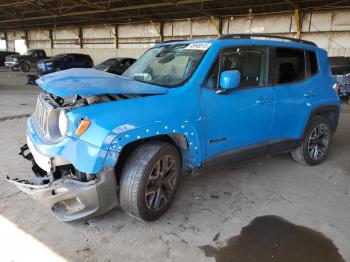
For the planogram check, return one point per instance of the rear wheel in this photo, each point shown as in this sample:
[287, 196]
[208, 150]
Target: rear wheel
[149, 180]
[315, 146]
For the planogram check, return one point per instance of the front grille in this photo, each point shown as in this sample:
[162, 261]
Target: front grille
[42, 112]
[8, 59]
[45, 106]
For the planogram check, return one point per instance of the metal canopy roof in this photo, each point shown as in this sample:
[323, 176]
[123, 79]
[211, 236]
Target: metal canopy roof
[26, 14]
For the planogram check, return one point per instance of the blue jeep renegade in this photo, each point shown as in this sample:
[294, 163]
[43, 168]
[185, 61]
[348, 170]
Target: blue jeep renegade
[99, 140]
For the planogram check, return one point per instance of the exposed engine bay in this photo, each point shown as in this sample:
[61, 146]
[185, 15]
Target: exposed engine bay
[80, 101]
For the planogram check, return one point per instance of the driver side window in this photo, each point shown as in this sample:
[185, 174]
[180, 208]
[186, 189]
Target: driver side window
[251, 62]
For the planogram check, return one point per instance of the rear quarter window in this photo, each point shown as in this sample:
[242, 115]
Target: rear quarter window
[313, 62]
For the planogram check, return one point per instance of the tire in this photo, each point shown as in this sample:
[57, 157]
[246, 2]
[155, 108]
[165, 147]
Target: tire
[141, 177]
[25, 67]
[312, 150]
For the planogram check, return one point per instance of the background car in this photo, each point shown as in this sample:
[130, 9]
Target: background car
[115, 65]
[3, 54]
[26, 61]
[64, 61]
[340, 67]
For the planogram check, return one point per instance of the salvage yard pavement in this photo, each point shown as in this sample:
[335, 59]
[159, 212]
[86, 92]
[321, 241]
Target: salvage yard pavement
[208, 212]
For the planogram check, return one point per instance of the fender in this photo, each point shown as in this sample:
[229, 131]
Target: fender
[183, 134]
[331, 111]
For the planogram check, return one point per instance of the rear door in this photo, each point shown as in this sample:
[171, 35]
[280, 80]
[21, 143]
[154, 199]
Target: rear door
[295, 90]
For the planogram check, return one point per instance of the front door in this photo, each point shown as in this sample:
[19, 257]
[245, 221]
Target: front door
[239, 121]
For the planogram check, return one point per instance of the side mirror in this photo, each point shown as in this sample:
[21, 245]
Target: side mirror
[230, 79]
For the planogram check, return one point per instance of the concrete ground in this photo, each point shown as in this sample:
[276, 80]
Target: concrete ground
[220, 202]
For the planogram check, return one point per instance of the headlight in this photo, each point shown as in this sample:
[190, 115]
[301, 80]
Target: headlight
[49, 66]
[15, 59]
[63, 123]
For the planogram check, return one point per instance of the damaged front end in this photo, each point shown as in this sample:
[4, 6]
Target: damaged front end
[69, 193]
[70, 140]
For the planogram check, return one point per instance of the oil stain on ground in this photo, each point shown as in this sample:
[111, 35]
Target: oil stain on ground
[271, 238]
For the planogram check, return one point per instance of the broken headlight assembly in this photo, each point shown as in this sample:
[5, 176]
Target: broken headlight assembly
[63, 123]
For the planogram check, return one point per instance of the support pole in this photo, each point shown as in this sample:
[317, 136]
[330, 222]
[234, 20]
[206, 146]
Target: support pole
[6, 41]
[51, 38]
[297, 23]
[116, 36]
[81, 37]
[26, 38]
[217, 24]
[159, 30]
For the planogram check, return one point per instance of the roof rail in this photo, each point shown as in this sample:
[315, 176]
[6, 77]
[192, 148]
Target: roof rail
[250, 36]
[174, 40]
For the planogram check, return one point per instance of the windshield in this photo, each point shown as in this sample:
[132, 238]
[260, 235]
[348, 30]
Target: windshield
[29, 52]
[169, 65]
[59, 56]
[110, 62]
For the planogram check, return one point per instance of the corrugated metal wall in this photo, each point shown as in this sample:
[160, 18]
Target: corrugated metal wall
[330, 30]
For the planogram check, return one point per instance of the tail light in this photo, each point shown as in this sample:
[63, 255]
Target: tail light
[336, 88]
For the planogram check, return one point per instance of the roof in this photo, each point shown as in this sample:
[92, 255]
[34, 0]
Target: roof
[263, 39]
[22, 14]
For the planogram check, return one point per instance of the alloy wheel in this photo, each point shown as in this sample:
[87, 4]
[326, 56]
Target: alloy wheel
[161, 183]
[318, 141]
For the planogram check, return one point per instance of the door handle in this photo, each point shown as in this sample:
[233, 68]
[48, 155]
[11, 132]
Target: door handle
[264, 101]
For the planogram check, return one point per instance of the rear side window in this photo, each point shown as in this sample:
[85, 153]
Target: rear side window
[289, 65]
[313, 62]
[69, 58]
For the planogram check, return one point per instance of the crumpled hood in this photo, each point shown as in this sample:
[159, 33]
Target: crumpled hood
[89, 81]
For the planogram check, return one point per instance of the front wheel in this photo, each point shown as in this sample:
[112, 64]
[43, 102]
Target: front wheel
[316, 143]
[149, 180]
[25, 67]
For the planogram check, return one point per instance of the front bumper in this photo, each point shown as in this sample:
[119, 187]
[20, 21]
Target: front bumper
[83, 156]
[11, 64]
[68, 196]
[70, 199]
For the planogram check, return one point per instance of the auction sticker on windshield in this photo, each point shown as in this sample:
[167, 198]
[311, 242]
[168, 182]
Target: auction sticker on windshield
[198, 46]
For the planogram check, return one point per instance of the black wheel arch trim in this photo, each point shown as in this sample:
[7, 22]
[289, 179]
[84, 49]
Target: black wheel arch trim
[332, 112]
